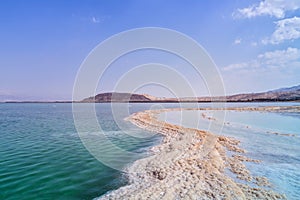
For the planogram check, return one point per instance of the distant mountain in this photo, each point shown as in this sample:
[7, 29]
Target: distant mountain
[283, 94]
[8, 97]
[119, 97]
[289, 89]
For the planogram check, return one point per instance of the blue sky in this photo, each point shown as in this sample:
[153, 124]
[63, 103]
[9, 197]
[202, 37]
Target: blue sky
[255, 44]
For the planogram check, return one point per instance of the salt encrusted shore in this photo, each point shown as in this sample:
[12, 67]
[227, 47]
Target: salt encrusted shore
[192, 164]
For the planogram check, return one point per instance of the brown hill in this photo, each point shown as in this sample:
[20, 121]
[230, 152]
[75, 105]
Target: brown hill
[284, 94]
[118, 97]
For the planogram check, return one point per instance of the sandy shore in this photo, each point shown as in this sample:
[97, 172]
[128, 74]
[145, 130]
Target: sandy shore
[193, 164]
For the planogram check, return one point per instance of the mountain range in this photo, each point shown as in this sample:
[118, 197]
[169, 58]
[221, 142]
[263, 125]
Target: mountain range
[283, 94]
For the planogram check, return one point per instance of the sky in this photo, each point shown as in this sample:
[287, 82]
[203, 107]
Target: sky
[255, 44]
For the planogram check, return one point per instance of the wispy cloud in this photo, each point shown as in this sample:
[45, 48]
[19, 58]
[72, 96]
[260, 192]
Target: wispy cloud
[286, 29]
[274, 8]
[254, 44]
[269, 60]
[95, 20]
[237, 41]
[236, 66]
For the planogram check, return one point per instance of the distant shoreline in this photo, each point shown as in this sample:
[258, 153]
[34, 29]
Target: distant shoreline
[254, 101]
[291, 94]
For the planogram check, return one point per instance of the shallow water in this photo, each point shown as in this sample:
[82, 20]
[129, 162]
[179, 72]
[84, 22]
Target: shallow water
[42, 156]
[280, 154]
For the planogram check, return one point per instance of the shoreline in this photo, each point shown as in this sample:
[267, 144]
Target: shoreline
[155, 101]
[191, 163]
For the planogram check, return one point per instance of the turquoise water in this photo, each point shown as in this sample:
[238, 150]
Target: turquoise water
[42, 157]
[280, 155]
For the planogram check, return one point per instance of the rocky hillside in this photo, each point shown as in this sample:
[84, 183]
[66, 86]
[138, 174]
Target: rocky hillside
[119, 97]
[284, 94]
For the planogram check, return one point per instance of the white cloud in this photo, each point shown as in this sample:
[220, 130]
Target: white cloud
[280, 57]
[286, 29]
[95, 20]
[235, 66]
[269, 60]
[237, 41]
[276, 8]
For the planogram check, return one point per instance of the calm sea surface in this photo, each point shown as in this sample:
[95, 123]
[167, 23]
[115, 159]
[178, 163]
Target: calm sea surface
[42, 156]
